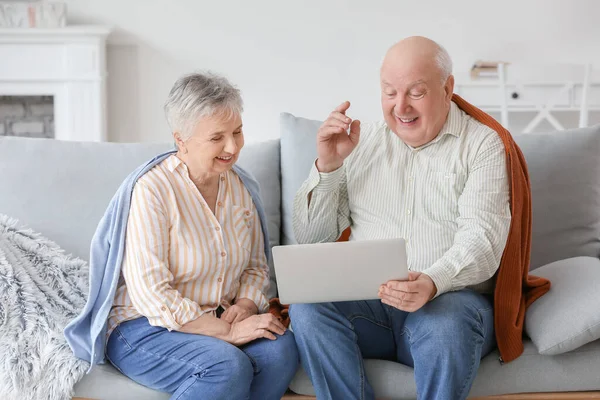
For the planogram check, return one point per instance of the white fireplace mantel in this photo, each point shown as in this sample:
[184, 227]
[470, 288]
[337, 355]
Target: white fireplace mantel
[66, 63]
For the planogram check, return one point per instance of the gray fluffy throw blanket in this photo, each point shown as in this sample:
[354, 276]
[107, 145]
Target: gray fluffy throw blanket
[41, 290]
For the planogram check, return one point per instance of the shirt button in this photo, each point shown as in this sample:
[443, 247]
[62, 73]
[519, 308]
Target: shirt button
[223, 254]
[408, 212]
[217, 228]
[247, 212]
[163, 308]
[410, 178]
[220, 204]
[220, 279]
[222, 178]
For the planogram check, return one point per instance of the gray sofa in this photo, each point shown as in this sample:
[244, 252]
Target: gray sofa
[61, 189]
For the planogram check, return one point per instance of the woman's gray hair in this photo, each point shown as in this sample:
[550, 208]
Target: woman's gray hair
[444, 63]
[199, 95]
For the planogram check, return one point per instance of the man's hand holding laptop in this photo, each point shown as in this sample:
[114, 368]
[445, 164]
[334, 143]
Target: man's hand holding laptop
[408, 295]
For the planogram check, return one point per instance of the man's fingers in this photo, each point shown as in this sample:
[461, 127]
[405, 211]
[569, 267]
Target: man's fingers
[403, 286]
[335, 123]
[397, 294]
[396, 301]
[398, 305]
[394, 304]
[355, 131]
[337, 116]
[328, 131]
[343, 107]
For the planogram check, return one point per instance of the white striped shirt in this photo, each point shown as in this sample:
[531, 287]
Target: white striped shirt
[180, 259]
[448, 198]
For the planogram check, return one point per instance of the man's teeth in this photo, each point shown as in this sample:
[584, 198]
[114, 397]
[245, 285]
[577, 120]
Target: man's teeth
[407, 120]
[225, 158]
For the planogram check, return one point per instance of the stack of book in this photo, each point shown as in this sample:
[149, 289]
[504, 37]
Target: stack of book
[485, 69]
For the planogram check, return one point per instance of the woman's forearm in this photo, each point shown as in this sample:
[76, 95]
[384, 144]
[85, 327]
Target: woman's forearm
[207, 325]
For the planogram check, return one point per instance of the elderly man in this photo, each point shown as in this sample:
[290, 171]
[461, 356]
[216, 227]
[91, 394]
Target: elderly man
[435, 176]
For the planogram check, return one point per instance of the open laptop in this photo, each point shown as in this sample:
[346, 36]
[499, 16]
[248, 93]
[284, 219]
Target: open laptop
[340, 271]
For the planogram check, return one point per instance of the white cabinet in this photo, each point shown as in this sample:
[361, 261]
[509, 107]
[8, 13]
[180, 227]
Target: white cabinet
[541, 98]
[528, 97]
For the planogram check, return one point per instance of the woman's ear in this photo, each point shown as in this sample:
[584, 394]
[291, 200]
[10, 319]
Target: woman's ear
[180, 143]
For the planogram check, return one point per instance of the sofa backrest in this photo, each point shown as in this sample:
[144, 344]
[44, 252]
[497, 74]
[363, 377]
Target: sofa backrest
[61, 189]
[564, 169]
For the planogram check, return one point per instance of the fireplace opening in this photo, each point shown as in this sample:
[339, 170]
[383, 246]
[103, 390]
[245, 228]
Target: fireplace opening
[27, 116]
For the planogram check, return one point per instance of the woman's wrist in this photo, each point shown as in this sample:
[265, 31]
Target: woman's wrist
[248, 305]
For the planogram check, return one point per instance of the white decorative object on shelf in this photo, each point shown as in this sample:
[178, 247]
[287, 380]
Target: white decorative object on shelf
[33, 15]
[68, 64]
[540, 97]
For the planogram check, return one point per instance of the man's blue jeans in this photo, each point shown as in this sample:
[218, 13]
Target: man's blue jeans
[202, 367]
[444, 341]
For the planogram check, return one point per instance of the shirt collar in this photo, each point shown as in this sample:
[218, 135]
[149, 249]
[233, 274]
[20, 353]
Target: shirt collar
[173, 162]
[453, 125]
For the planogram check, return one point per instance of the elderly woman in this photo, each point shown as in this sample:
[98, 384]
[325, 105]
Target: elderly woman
[189, 315]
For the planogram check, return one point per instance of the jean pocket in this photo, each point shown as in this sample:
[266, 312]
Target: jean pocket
[117, 341]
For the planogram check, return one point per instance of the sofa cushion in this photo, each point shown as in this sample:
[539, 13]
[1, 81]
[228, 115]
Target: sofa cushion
[298, 152]
[262, 161]
[106, 382]
[568, 316]
[531, 372]
[564, 168]
[62, 189]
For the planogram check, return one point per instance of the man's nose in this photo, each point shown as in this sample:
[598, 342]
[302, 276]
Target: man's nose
[402, 106]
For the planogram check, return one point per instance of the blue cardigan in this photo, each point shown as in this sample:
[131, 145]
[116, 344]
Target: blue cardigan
[86, 334]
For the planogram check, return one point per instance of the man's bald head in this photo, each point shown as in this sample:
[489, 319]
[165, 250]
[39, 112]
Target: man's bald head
[422, 52]
[416, 89]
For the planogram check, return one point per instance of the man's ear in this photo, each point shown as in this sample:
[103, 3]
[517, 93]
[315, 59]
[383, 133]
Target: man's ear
[449, 88]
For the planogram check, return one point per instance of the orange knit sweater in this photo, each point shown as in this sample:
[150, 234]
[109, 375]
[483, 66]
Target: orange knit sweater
[515, 288]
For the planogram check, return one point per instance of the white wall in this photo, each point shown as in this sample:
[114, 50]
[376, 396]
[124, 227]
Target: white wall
[305, 57]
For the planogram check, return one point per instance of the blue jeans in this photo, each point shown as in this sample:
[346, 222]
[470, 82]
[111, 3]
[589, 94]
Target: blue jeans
[202, 367]
[444, 342]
